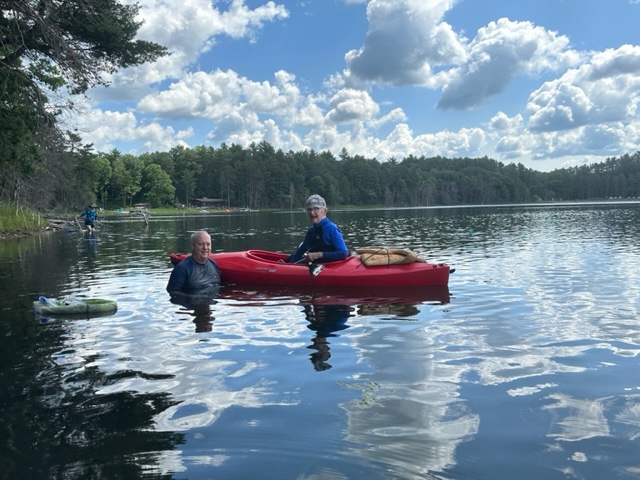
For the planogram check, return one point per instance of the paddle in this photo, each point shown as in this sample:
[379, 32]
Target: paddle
[314, 268]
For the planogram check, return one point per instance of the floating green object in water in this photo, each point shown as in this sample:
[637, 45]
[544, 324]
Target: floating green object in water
[89, 306]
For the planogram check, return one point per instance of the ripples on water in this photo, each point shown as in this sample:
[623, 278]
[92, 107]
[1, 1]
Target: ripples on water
[529, 371]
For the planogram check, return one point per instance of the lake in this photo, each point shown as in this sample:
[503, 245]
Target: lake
[526, 367]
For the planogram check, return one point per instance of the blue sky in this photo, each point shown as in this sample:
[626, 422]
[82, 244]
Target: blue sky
[545, 83]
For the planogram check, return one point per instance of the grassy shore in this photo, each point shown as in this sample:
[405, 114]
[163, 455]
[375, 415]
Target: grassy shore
[16, 221]
[19, 222]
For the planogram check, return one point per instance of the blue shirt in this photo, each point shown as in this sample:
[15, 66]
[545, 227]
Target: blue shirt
[191, 277]
[324, 236]
[91, 214]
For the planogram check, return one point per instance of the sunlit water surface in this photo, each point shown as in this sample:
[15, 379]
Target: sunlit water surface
[529, 370]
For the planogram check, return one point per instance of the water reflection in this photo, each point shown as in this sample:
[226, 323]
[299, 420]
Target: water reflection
[91, 242]
[365, 298]
[201, 316]
[411, 415]
[325, 320]
[328, 309]
[198, 305]
[57, 424]
[530, 371]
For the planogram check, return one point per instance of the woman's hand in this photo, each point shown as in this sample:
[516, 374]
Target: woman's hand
[313, 256]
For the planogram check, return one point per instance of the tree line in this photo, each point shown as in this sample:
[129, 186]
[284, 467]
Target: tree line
[261, 177]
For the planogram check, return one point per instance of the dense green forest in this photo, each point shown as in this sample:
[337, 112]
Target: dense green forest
[259, 177]
[48, 46]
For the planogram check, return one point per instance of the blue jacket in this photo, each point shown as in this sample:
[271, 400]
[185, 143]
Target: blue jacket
[325, 236]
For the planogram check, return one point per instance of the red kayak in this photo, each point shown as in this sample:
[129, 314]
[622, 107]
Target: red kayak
[262, 267]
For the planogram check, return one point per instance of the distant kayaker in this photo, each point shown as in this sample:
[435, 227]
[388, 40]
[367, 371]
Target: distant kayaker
[323, 241]
[90, 218]
[196, 279]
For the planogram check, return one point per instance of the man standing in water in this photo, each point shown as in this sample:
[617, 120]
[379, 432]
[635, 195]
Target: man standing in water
[90, 218]
[197, 276]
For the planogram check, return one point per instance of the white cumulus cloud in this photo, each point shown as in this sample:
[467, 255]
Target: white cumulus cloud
[406, 42]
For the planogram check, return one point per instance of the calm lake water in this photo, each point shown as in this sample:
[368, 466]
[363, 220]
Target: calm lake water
[527, 367]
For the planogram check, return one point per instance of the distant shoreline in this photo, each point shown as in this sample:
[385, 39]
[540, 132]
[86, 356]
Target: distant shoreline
[59, 222]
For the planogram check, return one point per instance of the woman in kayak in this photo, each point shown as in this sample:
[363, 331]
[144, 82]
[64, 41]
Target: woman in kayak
[323, 241]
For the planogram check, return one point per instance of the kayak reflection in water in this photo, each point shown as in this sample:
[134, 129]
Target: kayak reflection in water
[325, 320]
[195, 282]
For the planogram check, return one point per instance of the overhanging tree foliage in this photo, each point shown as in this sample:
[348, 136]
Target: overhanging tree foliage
[46, 45]
[72, 42]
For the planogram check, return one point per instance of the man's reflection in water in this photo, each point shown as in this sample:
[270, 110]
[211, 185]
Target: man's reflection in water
[200, 302]
[91, 242]
[203, 318]
[325, 320]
